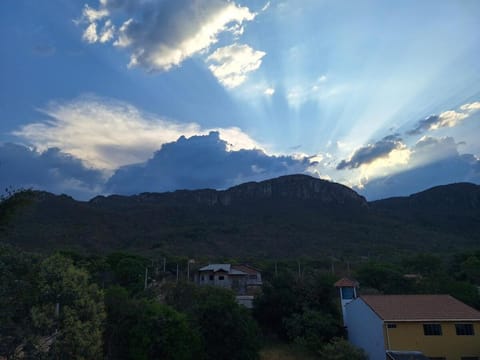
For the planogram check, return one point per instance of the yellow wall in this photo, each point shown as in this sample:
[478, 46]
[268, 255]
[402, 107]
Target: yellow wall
[410, 336]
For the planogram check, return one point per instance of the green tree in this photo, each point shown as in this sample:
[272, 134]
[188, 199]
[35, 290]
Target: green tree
[423, 264]
[128, 270]
[341, 349]
[277, 302]
[146, 329]
[17, 296]
[312, 328]
[160, 332]
[470, 267]
[69, 309]
[384, 277]
[227, 329]
[285, 302]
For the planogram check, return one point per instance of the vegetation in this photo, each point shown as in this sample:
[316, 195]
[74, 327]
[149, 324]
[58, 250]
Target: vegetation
[67, 304]
[291, 223]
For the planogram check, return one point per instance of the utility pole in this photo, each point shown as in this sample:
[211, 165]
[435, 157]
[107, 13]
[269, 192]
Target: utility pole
[164, 264]
[177, 272]
[146, 277]
[276, 270]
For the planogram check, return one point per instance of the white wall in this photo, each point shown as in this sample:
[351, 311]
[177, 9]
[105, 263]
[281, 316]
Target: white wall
[365, 329]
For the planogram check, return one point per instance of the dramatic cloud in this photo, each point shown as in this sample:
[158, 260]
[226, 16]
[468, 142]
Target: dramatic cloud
[107, 134]
[231, 64]
[162, 34]
[51, 170]
[202, 162]
[433, 162]
[449, 118]
[371, 152]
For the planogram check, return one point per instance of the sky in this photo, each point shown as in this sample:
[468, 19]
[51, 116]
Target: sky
[129, 96]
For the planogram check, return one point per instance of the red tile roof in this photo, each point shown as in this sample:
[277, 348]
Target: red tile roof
[420, 308]
[345, 282]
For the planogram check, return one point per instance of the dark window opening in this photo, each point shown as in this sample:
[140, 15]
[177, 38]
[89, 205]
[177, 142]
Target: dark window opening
[392, 326]
[348, 293]
[211, 277]
[221, 277]
[464, 329]
[432, 329]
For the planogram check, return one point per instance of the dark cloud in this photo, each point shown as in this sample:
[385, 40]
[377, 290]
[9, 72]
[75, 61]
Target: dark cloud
[424, 125]
[369, 153]
[201, 162]
[435, 162]
[52, 170]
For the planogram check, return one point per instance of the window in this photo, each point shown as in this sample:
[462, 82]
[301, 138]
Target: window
[210, 277]
[464, 329]
[391, 326]
[347, 293]
[432, 329]
[202, 277]
[252, 277]
[469, 358]
[221, 277]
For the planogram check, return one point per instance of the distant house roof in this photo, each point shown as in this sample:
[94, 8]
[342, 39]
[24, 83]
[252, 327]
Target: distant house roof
[246, 269]
[222, 267]
[420, 308]
[346, 282]
[216, 267]
[406, 355]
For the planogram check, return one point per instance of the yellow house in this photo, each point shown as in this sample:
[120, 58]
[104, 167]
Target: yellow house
[438, 326]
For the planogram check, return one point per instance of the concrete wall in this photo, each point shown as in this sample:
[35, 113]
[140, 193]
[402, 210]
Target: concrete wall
[410, 336]
[365, 329]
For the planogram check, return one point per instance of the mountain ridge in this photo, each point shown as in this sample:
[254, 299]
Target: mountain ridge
[295, 215]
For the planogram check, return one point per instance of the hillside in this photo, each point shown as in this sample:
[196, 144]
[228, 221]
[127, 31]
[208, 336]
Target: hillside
[284, 217]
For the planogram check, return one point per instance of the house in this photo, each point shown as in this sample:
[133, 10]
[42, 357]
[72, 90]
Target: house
[438, 327]
[244, 280]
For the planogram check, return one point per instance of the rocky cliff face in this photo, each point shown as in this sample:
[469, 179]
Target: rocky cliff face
[294, 187]
[289, 188]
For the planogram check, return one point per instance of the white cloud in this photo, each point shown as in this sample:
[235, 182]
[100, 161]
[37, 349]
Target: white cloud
[469, 108]
[107, 134]
[446, 119]
[108, 32]
[162, 34]
[269, 91]
[231, 64]
[90, 34]
[92, 15]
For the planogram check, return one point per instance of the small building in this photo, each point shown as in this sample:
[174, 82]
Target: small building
[437, 327]
[244, 280]
[348, 292]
